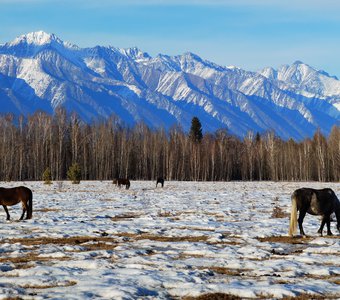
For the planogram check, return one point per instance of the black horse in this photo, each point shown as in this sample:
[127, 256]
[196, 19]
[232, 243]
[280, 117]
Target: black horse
[315, 202]
[160, 180]
[12, 196]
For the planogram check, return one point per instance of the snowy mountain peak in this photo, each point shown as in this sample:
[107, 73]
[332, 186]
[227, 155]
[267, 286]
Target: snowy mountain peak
[269, 73]
[295, 73]
[39, 38]
[305, 80]
[190, 55]
[134, 53]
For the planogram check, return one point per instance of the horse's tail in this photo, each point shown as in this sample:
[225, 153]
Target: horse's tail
[293, 217]
[30, 204]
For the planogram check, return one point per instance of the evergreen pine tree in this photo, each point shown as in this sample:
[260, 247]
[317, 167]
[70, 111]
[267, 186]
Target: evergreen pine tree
[196, 130]
[74, 173]
[47, 177]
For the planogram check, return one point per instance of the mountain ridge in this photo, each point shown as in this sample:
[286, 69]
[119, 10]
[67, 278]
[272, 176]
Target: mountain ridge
[293, 100]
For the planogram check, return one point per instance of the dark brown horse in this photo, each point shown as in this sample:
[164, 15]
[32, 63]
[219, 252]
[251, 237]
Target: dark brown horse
[122, 181]
[315, 202]
[160, 180]
[12, 196]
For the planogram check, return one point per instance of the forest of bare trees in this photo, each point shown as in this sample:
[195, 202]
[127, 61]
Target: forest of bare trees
[105, 150]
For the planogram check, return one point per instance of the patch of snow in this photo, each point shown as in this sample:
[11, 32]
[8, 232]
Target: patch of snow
[186, 239]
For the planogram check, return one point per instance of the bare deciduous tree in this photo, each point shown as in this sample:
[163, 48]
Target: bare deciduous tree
[106, 149]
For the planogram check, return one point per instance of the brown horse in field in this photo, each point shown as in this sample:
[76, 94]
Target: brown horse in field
[12, 196]
[122, 181]
[315, 202]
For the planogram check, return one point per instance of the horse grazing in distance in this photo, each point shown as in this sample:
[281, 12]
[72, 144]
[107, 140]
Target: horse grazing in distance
[160, 180]
[122, 181]
[12, 196]
[315, 202]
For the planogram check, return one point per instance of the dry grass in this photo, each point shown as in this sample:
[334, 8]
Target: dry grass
[222, 296]
[46, 210]
[127, 216]
[48, 286]
[193, 228]
[214, 296]
[161, 238]
[331, 278]
[336, 237]
[190, 255]
[286, 239]
[228, 271]
[279, 213]
[29, 258]
[104, 243]
[335, 279]
[307, 296]
[88, 242]
[166, 214]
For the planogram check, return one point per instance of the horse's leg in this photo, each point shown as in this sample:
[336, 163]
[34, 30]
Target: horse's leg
[23, 213]
[6, 210]
[24, 209]
[300, 220]
[323, 222]
[328, 222]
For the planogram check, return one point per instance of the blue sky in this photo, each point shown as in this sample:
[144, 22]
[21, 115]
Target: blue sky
[250, 34]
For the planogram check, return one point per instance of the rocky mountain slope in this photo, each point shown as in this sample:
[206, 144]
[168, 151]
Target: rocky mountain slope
[38, 71]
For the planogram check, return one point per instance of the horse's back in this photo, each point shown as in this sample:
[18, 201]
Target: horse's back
[308, 192]
[25, 190]
[12, 196]
[160, 180]
[315, 201]
[124, 181]
[18, 189]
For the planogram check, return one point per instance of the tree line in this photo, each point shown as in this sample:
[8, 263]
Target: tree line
[105, 150]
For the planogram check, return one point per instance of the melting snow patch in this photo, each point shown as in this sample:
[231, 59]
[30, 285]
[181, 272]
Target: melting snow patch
[155, 244]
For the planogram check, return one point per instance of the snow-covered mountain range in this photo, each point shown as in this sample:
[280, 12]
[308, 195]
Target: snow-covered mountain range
[38, 71]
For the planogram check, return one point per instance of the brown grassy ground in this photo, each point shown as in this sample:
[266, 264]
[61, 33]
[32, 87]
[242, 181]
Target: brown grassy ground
[286, 239]
[214, 296]
[87, 242]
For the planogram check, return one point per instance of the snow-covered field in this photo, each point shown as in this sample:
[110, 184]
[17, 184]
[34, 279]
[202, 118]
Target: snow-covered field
[94, 240]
